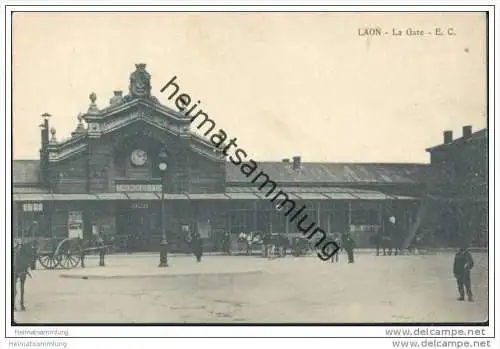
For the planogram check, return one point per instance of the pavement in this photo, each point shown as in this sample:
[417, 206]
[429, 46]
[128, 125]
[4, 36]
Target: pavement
[259, 252]
[247, 289]
[146, 266]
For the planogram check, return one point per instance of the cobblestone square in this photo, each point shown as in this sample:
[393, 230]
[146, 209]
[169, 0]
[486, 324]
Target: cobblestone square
[240, 289]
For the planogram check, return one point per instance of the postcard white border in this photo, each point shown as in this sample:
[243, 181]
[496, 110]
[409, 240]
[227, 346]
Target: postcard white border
[240, 331]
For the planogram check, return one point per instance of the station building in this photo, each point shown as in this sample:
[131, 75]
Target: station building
[106, 177]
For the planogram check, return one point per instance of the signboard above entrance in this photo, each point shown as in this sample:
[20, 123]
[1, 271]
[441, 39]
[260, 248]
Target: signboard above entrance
[138, 187]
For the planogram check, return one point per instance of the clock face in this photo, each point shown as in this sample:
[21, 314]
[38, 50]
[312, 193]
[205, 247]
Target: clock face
[138, 157]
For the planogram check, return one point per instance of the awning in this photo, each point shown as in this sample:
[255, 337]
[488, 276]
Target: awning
[31, 197]
[347, 194]
[174, 196]
[142, 196]
[74, 197]
[273, 194]
[402, 197]
[308, 189]
[311, 196]
[207, 196]
[459, 199]
[242, 196]
[371, 195]
[340, 196]
[244, 190]
[112, 196]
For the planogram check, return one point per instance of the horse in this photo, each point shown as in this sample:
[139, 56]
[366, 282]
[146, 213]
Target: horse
[24, 254]
[279, 244]
[253, 238]
[245, 238]
[383, 242]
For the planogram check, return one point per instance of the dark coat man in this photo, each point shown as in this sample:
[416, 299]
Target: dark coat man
[266, 242]
[390, 239]
[226, 243]
[462, 265]
[348, 245]
[378, 239]
[197, 246]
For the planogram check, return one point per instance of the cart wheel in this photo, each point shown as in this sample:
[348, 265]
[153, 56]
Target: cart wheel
[69, 252]
[69, 260]
[49, 261]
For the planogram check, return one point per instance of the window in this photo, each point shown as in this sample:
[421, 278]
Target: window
[32, 212]
[33, 207]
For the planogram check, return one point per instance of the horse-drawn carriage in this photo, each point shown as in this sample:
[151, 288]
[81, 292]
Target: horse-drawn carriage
[67, 253]
[248, 242]
[275, 245]
[271, 244]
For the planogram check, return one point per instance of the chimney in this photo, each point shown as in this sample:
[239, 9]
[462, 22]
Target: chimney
[285, 161]
[296, 162]
[44, 129]
[466, 131]
[44, 134]
[448, 137]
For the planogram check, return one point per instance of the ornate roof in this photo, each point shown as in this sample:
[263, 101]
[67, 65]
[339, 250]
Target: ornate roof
[138, 106]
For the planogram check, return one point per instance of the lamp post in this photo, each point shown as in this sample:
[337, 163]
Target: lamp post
[162, 166]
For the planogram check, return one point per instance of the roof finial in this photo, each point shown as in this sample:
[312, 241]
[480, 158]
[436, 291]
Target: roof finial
[93, 107]
[79, 129]
[140, 82]
[53, 133]
[117, 97]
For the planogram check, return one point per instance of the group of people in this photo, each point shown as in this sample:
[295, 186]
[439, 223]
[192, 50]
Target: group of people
[462, 265]
[277, 244]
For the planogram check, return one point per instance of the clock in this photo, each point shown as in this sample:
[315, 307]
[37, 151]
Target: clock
[138, 157]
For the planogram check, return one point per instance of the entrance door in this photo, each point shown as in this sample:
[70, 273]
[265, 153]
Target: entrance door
[136, 225]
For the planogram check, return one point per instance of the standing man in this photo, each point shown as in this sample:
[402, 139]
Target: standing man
[226, 243]
[378, 241]
[101, 244]
[197, 246]
[462, 265]
[265, 243]
[348, 244]
[248, 243]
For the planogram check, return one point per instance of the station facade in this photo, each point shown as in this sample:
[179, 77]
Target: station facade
[105, 177]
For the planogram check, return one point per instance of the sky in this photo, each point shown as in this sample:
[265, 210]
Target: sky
[283, 84]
